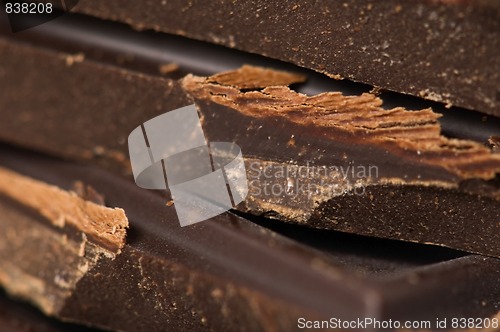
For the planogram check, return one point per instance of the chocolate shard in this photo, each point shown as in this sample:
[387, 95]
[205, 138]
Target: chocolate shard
[104, 226]
[72, 235]
[446, 52]
[412, 135]
[250, 77]
[385, 173]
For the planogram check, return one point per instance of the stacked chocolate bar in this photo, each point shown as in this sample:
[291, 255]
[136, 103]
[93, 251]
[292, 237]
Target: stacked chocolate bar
[369, 172]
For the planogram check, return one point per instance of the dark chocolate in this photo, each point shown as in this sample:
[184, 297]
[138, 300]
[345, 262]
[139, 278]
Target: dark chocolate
[63, 251]
[226, 273]
[74, 118]
[415, 185]
[119, 45]
[445, 51]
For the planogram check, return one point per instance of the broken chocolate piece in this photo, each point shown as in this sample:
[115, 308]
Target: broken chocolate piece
[359, 120]
[106, 227]
[344, 163]
[227, 272]
[72, 235]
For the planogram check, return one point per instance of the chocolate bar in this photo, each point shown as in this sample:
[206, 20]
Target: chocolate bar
[423, 186]
[444, 51]
[223, 273]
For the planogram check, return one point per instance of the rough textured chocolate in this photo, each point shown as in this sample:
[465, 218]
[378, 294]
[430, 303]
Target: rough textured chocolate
[439, 190]
[227, 272]
[424, 187]
[104, 226]
[72, 234]
[445, 51]
[359, 121]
